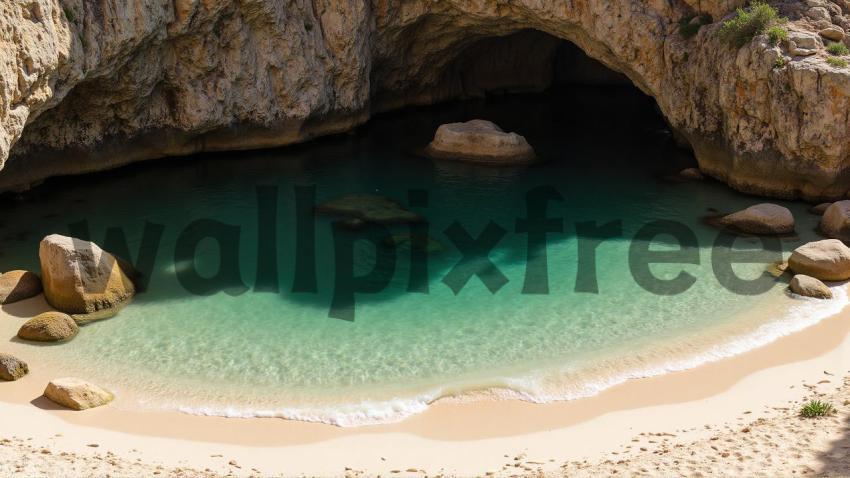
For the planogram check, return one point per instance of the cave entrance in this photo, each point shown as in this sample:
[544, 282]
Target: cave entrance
[545, 87]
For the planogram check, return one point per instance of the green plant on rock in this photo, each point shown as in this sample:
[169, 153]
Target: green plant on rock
[816, 408]
[838, 49]
[837, 62]
[780, 62]
[776, 34]
[748, 23]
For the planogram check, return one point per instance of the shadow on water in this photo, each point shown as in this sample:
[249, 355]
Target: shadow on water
[606, 150]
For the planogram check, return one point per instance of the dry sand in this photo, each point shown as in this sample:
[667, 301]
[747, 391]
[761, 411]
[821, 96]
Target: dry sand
[738, 416]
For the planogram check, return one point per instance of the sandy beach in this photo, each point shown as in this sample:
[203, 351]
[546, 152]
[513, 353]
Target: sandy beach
[737, 415]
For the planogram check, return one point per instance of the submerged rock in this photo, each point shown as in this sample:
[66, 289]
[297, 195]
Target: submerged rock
[827, 260]
[81, 278]
[12, 368]
[691, 174]
[407, 240]
[369, 208]
[49, 327]
[480, 141]
[76, 394]
[763, 218]
[820, 208]
[835, 222]
[808, 286]
[18, 285]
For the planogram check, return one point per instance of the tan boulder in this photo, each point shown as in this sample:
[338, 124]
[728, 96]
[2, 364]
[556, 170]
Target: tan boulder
[809, 287]
[76, 394]
[827, 260]
[763, 218]
[480, 141]
[81, 278]
[12, 368]
[18, 285]
[835, 222]
[49, 327]
[819, 209]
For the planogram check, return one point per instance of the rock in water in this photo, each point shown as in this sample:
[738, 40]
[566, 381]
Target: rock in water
[763, 218]
[835, 222]
[12, 368]
[691, 174]
[369, 208]
[480, 141]
[820, 208]
[81, 278]
[810, 287]
[49, 327]
[827, 260]
[18, 285]
[76, 394]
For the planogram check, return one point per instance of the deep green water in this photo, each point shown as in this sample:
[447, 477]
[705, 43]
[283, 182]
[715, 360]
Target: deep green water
[606, 152]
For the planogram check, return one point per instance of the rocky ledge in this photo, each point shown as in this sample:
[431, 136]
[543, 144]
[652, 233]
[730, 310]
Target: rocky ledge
[109, 82]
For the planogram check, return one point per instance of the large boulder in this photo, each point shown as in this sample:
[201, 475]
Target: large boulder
[49, 327]
[81, 278]
[480, 141]
[76, 394]
[763, 218]
[808, 286]
[819, 209]
[835, 222]
[827, 260]
[18, 285]
[12, 368]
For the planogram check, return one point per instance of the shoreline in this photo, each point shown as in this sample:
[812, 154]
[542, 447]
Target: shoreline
[458, 435]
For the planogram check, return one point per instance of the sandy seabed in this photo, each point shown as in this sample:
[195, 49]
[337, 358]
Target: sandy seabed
[738, 416]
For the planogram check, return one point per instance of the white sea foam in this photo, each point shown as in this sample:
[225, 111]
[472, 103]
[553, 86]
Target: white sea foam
[804, 314]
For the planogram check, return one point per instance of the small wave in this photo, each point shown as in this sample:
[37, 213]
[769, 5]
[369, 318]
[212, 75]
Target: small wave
[535, 389]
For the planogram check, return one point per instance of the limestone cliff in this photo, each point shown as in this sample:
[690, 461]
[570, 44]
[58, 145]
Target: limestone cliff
[89, 85]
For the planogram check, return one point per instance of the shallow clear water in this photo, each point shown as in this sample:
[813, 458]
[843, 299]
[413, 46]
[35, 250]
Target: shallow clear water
[279, 353]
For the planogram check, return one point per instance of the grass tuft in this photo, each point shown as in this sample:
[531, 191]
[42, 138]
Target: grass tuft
[780, 62]
[837, 62]
[837, 49]
[816, 408]
[748, 23]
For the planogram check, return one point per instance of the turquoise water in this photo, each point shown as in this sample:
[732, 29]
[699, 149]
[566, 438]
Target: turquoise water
[264, 353]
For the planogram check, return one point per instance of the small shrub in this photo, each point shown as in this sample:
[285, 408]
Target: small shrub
[748, 23]
[776, 34]
[838, 49]
[69, 14]
[816, 408]
[780, 62]
[837, 62]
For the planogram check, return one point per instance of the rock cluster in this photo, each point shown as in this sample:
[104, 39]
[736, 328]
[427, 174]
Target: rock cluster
[480, 141]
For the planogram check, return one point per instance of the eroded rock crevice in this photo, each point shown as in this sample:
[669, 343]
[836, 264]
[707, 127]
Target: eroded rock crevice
[92, 85]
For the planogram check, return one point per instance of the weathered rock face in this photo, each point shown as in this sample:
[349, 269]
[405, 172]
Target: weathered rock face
[90, 85]
[81, 278]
